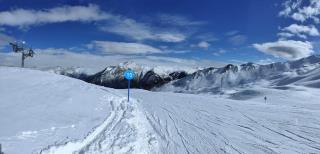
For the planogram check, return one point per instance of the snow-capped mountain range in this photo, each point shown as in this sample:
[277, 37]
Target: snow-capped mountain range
[209, 80]
[112, 76]
[304, 72]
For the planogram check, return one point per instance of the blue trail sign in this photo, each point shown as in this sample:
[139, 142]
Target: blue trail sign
[129, 75]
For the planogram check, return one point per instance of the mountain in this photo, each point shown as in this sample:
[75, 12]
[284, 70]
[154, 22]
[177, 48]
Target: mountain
[304, 72]
[209, 80]
[145, 78]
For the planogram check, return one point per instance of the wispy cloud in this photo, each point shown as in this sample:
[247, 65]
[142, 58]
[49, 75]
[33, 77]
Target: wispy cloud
[238, 39]
[300, 31]
[113, 23]
[203, 45]
[296, 10]
[285, 35]
[123, 48]
[231, 33]
[208, 37]
[178, 20]
[24, 17]
[219, 52]
[141, 31]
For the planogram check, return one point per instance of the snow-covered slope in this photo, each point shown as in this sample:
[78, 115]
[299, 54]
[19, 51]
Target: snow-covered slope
[216, 80]
[289, 123]
[41, 111]
[48, 113]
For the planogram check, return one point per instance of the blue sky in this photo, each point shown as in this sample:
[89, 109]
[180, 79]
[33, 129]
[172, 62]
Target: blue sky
[219, 30]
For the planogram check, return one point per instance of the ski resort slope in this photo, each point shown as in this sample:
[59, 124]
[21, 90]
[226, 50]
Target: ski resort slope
[48, 113]
[185, 123]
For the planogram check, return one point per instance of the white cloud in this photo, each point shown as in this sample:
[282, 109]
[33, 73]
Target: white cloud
[301, 30]
[170, 37]
[300, 11]
[288, 49]
[124, 48]
[295, 10]
[285, 35]
[238, 39]
[92, 63]
[140, 31]
[289, 7]
[23, 17]
[203, 44]
[116, 24]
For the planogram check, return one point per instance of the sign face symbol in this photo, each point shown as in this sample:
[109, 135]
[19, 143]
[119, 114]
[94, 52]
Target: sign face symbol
[129, 74]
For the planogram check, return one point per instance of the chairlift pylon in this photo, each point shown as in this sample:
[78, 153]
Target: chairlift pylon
[18, 47]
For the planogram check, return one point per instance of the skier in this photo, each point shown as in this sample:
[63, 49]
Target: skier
[265, 99]
[0, 150]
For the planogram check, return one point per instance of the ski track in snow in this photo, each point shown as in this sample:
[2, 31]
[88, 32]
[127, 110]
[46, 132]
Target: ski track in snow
[196, 124]
[124, 131]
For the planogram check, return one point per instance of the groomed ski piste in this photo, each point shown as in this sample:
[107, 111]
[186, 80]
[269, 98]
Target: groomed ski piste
[43, 112]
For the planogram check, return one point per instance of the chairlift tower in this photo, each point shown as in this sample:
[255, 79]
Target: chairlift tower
[20, 47]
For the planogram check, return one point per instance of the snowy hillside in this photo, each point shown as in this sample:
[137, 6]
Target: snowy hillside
[218, 80]
[40, 109]
[49, 113]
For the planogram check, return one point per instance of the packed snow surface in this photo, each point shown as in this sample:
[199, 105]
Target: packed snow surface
[47, 113]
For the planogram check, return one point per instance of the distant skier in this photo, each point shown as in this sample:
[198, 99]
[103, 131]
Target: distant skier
[0, 150]
[265, 99]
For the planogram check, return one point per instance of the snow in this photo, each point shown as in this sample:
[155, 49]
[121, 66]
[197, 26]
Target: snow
[49, 113]
[188, 123]
[125, 130]
[43, 111]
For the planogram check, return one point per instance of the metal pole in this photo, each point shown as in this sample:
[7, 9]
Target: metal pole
[129, 89]
[22, 60]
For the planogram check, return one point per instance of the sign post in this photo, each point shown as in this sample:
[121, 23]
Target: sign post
[129, 75]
